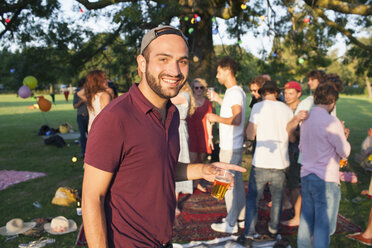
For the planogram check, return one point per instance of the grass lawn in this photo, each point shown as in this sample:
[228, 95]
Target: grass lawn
[23, 150]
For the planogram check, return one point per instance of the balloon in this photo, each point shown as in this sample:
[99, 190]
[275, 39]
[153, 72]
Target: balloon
[306, 20]
[191, 30]
[301, 60]
[198, 19]
[24, 91]
[44, 104]
[215, 31]
[243, 6]
[30, 81]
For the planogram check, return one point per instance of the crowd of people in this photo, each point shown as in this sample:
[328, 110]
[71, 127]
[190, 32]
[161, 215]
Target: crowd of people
[148, 145]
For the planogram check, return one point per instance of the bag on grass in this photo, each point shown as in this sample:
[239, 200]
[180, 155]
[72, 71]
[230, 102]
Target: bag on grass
[46, 130]
[56, 140]
[65, 196]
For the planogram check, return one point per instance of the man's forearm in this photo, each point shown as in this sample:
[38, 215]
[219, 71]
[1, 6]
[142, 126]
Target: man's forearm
[188, 171]
[233, 120]
[94, 222]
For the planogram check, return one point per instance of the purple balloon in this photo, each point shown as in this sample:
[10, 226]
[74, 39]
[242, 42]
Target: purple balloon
[24, 91]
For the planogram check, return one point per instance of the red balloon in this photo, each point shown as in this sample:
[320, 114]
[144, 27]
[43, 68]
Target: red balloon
[307, 20]
[44, 104]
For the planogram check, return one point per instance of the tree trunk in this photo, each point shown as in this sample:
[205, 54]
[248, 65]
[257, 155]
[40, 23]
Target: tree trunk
[201, 51]
[369, 90]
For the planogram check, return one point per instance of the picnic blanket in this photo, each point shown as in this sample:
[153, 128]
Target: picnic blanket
[200, 210]
[11, 177]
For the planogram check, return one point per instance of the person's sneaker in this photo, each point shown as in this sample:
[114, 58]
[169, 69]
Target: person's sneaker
[224, 227]
[246, 242]
[240, 222]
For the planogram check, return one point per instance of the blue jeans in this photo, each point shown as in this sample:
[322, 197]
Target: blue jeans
[320, 202]
[235, 198]
[83, 128]
[258, 178]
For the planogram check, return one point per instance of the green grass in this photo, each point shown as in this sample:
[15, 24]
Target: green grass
[22, 149]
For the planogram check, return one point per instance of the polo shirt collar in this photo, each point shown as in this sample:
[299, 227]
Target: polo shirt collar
[144, 104]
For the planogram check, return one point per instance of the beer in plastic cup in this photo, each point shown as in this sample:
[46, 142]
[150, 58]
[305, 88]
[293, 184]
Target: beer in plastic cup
[221, 183]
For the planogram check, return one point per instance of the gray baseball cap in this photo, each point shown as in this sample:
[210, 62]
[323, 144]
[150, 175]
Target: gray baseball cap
[159, 31]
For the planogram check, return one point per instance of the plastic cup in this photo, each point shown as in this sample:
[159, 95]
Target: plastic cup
[221, 183]
[211, 90]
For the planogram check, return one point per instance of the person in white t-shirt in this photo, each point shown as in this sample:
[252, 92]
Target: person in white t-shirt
[231, 128]
[271, 122]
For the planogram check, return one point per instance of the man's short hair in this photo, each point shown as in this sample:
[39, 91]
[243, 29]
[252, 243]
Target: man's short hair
[269, 87]
[317, 74]
[335, 80]
[259, 81]
[325, 94]
[230, 63]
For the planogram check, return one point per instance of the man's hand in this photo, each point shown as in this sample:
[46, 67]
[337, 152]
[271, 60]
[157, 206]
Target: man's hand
[209, 170]
[302, 115]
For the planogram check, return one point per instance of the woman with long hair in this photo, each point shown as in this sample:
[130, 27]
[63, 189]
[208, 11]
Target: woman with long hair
[185, 104]
[199, 128]
[96, 93]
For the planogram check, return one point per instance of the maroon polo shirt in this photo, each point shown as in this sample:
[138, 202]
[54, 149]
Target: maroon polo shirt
[129, 139]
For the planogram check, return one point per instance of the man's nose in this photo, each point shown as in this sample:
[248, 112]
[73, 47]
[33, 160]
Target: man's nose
[174, 68]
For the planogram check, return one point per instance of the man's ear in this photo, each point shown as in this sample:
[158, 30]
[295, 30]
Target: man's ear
[141, 61]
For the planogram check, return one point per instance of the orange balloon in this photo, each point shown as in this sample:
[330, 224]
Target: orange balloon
[44, 104]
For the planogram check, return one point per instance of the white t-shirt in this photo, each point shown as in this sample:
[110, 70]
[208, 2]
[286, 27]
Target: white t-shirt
[271, 118]
[308, 103]
[231, 136]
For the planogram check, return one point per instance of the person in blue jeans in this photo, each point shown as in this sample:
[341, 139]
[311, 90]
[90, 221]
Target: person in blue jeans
[323, 142]
[82, 117]
[271, 122]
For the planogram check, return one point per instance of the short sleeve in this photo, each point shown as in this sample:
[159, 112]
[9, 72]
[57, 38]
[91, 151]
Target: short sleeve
[254, 114]
[305, 104]
[235, 97]
[105, 142]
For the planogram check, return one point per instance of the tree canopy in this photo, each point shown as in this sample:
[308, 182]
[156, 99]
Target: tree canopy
[303, 31]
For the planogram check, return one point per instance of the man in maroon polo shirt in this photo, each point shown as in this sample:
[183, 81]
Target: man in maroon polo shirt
[131, 158]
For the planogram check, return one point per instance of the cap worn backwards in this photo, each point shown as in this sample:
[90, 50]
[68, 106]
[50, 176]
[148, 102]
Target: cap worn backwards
[159, 31]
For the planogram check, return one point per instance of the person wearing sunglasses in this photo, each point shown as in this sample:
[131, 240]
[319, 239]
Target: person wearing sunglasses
[200, 129]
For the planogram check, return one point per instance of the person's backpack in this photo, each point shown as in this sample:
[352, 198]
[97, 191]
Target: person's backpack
[46, 130]
[56, 140]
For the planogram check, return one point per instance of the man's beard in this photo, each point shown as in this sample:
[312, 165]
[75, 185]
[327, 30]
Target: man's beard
[156, 86]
